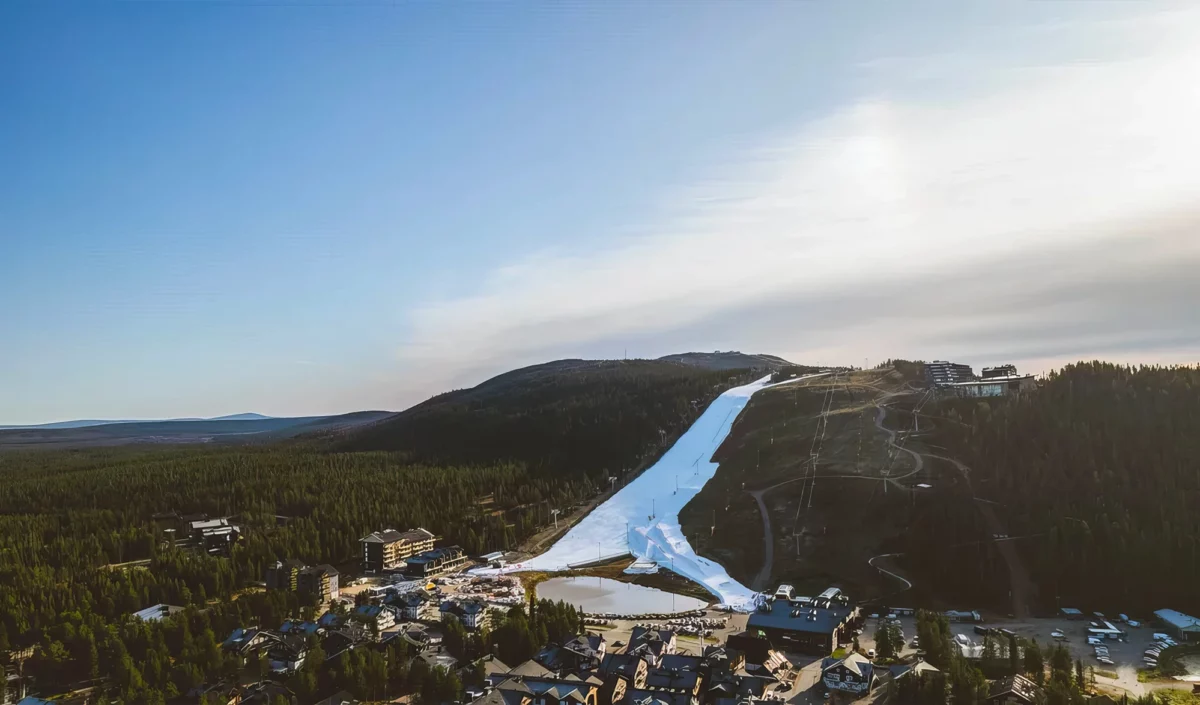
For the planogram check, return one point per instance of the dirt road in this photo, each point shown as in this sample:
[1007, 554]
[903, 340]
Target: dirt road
[764, 574]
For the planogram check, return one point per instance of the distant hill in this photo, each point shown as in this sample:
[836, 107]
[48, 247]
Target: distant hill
[236, 428]
[241, 417]
[730, 360]
[567, 416]
[84, 423]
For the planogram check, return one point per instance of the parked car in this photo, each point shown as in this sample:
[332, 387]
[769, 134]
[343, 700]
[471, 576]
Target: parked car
[1134, 624]
[1123, 618]
[980, 629]
[870, 653]
[1105, 660]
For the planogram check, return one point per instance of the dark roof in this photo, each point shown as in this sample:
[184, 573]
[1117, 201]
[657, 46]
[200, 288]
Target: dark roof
[437, 554]
[783, 615]
[672, 679]
[1017, 685]
[652, 697]
[619, 664]
[339, 698]
[264, 691]
[295, 643]
[531, 668]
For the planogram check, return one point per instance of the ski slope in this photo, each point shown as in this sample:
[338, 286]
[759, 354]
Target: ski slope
[642, 519]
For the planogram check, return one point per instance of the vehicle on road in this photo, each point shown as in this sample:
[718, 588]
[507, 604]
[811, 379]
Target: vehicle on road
[870, 653]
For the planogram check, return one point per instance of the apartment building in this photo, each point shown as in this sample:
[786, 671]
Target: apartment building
[388, 550]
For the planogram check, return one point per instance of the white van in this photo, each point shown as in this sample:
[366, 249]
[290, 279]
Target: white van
[870, 653]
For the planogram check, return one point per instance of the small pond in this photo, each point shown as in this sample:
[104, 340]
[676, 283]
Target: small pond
[604, 595]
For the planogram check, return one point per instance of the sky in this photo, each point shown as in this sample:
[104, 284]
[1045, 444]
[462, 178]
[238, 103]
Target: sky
[295, 208]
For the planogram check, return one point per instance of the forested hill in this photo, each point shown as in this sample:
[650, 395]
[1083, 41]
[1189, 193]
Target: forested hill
[576, 416]
[1102, 465]
[730, 360]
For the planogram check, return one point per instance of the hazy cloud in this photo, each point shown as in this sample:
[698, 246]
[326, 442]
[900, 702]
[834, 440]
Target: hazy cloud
[1035, 213]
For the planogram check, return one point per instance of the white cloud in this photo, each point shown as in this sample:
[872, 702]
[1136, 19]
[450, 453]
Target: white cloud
[1026, 158]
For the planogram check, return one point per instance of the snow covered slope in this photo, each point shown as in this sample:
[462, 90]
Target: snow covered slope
[643, 518]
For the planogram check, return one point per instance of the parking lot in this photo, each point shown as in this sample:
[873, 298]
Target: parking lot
[1126, 655]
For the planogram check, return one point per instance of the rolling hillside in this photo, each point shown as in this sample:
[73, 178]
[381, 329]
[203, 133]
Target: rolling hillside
[591, 417]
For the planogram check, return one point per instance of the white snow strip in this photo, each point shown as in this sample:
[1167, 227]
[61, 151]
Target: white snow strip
[643, 518]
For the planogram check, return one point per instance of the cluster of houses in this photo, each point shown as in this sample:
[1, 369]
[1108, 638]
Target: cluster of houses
[287, 648]
[649, 670]
[398, 616]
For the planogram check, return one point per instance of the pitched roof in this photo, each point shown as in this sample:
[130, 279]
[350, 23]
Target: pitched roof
[854, 662]
[1018, 685]
[392, 536]
[903, 669]
[531, 669]
[339, 698]
[652, 697]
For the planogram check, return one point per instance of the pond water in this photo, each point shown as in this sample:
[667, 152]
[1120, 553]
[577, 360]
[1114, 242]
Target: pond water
[604, 595]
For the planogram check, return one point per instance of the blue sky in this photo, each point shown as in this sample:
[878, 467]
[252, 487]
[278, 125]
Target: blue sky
[294, 208]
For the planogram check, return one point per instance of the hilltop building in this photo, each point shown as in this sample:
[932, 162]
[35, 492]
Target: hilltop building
[941, 372]
[387, 550]
[960, 380]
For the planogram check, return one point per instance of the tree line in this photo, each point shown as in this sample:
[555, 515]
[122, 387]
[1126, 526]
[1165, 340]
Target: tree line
[68, 518]
[1098, 467]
